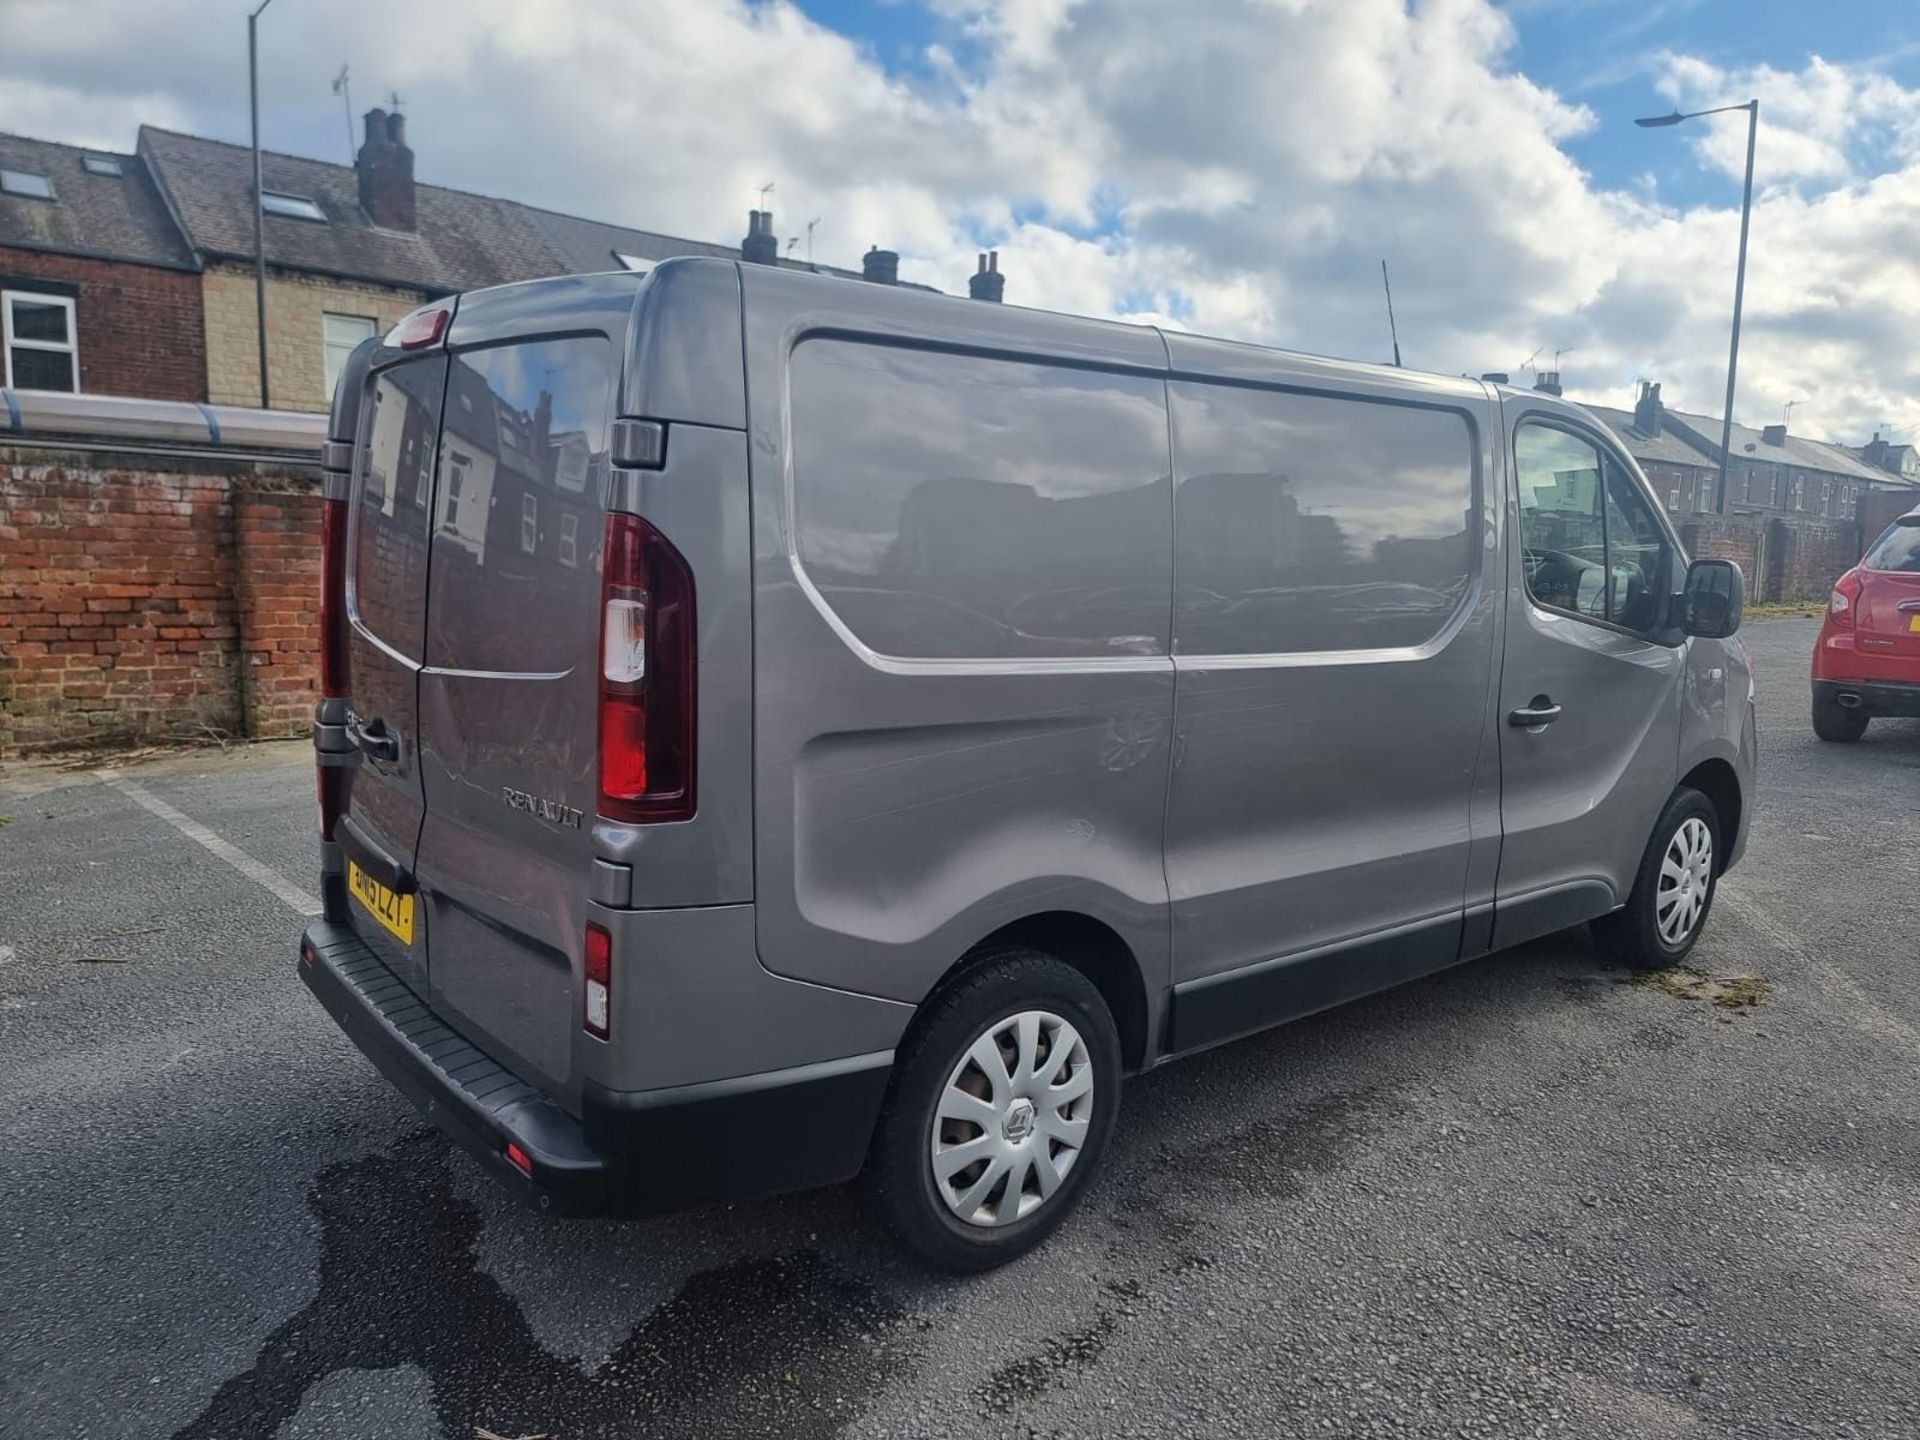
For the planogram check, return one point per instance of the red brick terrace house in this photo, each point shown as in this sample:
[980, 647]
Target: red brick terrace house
[98, 288]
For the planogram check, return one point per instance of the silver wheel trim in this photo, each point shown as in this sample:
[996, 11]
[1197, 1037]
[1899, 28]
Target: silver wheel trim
[1685, 881]
[1012, 1118]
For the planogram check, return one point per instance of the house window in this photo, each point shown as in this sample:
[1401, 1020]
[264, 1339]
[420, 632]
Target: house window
[38, 336]
[1705, 502]
[456, 485]
[569, 539]
[101, 164]
[529, 522]
[26, 183]
[339, 335]
[294, 207]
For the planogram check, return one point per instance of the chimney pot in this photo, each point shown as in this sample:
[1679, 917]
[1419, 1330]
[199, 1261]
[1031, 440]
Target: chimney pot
[987, 283]
[760, 247]
[880, 266]
[1648, 413]
[385, 170]
[1547, 382]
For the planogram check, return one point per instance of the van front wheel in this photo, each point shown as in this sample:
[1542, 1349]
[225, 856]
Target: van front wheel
[1003, 1096]
[1673, 889]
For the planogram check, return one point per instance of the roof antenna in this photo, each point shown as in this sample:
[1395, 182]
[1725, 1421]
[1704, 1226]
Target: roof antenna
[810, 224]
[345, 92]
[1527, 364]
[765, 191]
[1393, 328]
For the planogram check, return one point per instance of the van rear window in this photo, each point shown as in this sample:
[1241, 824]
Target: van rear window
[1307, 523]
[393, 502]
[957, 506]
[523, 460]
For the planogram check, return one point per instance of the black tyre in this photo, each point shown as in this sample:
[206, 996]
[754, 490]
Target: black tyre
[1831, 721]
[1003, 1096]
[1673, 889]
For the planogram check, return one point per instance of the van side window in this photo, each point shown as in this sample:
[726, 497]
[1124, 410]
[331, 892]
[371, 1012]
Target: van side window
[1309, 523]
[1591, 545]
[956, 506]
[523, 449]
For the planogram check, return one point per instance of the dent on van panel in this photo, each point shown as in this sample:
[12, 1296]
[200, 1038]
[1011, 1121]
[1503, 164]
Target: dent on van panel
[904, 828]
[954, 507]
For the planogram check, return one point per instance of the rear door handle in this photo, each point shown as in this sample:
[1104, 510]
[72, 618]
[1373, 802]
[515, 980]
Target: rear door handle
[376, 742]
[1535, 713]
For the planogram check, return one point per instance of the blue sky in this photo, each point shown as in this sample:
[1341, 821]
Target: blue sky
[1602, 54]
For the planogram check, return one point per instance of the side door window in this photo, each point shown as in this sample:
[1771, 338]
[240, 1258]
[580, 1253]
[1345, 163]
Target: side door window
[1592, 545]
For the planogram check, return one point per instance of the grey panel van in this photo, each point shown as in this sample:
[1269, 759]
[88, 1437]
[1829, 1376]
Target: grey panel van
[779, 727]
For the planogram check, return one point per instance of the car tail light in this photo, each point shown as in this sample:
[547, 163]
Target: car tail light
[647, 674]
[598, 1012]
[1845, 599]
[333, 598]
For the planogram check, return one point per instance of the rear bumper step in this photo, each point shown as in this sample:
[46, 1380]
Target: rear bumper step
[1871, 697]
[631, 1151]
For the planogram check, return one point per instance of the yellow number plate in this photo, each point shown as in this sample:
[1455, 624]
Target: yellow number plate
[391, 910]
[1913, 622]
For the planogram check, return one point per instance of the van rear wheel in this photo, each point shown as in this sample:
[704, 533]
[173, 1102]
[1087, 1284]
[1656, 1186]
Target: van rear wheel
[1673, 889]
[1003, 1096]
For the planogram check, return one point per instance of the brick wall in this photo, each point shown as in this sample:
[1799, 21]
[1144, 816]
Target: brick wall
[296, 334]
[1729, 537]
[1805, 558]
[140, 327]
[146, 598]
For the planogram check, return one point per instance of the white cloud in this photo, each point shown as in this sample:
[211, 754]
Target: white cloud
[1241, 168]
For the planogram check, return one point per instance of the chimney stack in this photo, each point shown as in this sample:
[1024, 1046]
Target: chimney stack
[987, 283]
[385, 168]
[760, 247]
[1648, 413]
[1547, 382]
[1774, 435]
[880, 266]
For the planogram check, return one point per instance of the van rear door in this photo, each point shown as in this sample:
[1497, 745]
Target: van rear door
[390, 507]
[509, 690]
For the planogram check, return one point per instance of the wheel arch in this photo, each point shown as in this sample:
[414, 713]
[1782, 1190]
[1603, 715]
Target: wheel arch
[1717, 780]
[1090, 946]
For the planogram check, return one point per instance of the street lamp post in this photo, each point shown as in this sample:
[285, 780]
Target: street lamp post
[1752, 107]
[259, 207]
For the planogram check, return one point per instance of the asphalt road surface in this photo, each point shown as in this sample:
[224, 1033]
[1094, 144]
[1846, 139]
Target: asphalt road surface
[1527, 1197]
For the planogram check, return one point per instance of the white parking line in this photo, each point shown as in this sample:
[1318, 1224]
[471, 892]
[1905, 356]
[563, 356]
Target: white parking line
[1872, 1016]
[299, 901]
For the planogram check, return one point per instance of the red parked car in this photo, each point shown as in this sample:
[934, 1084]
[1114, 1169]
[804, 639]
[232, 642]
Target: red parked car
[1868, 660]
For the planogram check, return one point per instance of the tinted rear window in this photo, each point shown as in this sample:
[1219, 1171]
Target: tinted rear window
[1306, 523]
[394, 502]
[953, 506]
[520, 515]
[1898, 549]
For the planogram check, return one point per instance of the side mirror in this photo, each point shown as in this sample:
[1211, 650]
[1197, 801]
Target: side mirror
[1711, 600]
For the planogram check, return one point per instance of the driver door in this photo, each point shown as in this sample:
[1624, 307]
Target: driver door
[1590, 696]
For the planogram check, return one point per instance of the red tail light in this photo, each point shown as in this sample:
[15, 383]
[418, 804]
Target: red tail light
[1845, 600]
[597, 1012]
[419, 330]
[647, 674]
[333, 598]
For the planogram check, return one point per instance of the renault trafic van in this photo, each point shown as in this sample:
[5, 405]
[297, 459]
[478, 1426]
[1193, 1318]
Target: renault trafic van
[779, 727]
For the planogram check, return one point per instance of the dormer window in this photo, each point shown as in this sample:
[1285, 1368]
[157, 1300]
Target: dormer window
[26, 183]
[101, 165]
[293, 207]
